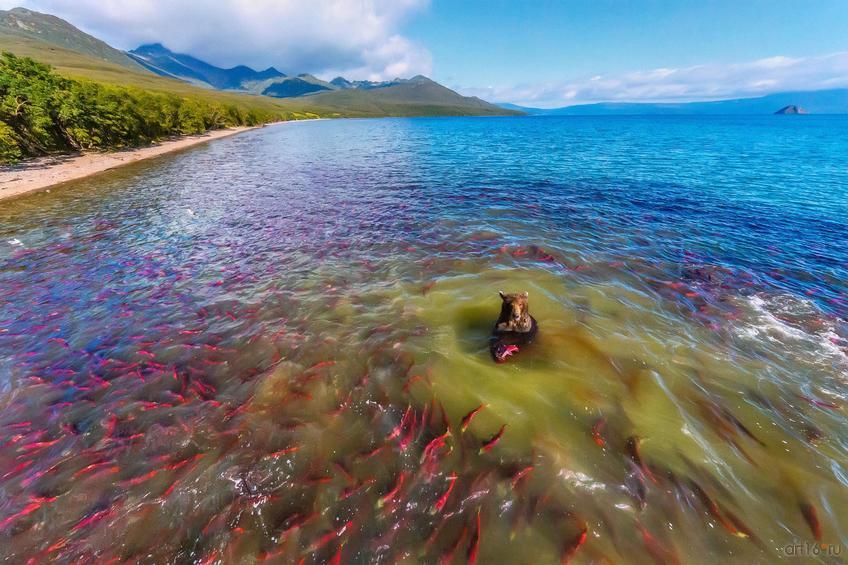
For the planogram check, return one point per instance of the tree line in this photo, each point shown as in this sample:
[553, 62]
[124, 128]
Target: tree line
[42, 112]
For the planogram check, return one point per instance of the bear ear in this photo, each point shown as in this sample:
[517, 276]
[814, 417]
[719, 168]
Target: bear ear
[502, 295]
[525, 294]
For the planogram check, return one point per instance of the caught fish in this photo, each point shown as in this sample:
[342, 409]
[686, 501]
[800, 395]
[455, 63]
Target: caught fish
[503, 352]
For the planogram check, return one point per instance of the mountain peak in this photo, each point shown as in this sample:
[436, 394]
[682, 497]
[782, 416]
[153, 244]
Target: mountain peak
[150, 48]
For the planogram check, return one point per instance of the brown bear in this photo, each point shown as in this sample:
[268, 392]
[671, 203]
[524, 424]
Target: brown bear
[515, 327]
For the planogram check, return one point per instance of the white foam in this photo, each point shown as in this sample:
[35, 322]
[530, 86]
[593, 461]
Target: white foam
[764, 325]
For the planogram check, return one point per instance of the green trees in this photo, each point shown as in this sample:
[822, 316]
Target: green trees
[42, 112]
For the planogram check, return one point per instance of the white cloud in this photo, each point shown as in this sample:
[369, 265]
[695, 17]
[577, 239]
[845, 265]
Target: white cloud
[359, 38]
[702, 82]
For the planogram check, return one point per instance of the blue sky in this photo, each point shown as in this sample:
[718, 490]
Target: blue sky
[540, 53]
[485, 42]
[520, 50]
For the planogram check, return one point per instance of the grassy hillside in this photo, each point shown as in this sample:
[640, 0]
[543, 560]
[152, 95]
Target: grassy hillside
[42, 112]
[27, 25]
[418, 97]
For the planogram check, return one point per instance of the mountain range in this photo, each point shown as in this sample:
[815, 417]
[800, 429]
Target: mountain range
[270, 82]
[834, 101]
[77, 54]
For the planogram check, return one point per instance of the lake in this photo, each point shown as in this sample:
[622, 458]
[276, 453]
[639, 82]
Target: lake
[274, 347]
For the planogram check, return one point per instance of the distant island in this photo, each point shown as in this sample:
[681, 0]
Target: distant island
[832, 101]
[791, 110]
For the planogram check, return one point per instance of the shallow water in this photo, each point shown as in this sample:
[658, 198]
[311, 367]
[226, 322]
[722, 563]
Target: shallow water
[263, 349]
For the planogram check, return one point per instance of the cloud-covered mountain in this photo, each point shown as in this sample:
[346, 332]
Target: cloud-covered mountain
[162, 61]
[270, 82]
[361, 39]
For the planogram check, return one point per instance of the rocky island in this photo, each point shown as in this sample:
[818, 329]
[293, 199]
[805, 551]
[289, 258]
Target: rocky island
[791, 110]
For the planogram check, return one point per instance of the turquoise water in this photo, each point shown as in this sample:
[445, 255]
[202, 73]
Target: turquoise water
[263, 349]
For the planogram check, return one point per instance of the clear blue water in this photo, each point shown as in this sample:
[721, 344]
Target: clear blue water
[203, 352]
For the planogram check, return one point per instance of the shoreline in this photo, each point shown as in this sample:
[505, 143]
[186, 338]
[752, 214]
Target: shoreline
[46, 172]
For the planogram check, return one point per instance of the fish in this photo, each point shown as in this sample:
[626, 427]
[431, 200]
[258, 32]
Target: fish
[819, 403]
[812, 519]
[634, 483]
[632, 446]
[474, 546]
[713, 510]
[404, 421]
[574, 545]
[430, 455]
[490, 443]
[90, 468]
[406, 440]
[659, 553]
[92, 518]
[440, 504]
[503, 352]
[447, 557]
[598, 429]
[20, 467]
[337, 558]
[330, 536]
[389, 496]
[352, 490]
[520, 475]
[34, 505]
[466, 420]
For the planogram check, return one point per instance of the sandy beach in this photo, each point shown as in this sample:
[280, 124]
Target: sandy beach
[46, 172]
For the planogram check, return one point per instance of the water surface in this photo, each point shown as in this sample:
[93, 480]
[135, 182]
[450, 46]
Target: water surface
[263, 349]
